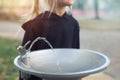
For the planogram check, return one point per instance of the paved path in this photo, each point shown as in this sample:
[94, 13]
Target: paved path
[106, 42]
[11, 30]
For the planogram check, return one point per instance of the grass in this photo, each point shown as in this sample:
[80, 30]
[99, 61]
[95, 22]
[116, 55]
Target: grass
[7, 54]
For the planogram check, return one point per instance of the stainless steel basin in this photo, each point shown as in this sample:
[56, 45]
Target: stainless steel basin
[62, 64]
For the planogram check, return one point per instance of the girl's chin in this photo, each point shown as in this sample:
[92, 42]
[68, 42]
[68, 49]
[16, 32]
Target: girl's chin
[69, 4]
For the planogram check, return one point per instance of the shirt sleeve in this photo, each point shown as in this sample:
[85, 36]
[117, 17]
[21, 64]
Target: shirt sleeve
[28, 36]
[32, 31]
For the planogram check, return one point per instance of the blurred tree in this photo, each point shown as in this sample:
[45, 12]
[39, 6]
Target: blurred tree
[96, 5]
[79, 4]
[115, 4]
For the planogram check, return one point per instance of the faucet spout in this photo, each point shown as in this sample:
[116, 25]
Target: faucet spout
[23, 52]
[22, 49]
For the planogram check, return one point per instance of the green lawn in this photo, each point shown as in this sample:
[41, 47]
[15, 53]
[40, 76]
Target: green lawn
[7, 54]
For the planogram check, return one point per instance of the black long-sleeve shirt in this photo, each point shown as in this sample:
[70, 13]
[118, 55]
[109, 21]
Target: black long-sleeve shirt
[60, 31]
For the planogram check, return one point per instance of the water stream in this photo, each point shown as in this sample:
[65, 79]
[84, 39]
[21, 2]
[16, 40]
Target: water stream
[44, 39]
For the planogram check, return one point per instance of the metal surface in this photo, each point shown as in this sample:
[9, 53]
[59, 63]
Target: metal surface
[62, 64]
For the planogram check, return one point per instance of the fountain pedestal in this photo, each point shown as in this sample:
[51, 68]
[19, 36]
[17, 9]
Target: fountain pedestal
[63, 79]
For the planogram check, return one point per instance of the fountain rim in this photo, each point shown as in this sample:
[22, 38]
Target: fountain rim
[82, 73]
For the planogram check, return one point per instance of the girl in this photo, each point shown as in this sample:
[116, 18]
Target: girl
[50, 20]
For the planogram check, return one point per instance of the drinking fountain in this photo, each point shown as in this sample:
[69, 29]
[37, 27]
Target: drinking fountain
[61, 63]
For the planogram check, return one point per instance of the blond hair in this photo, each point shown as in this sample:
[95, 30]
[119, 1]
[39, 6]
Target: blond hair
[40, 6]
